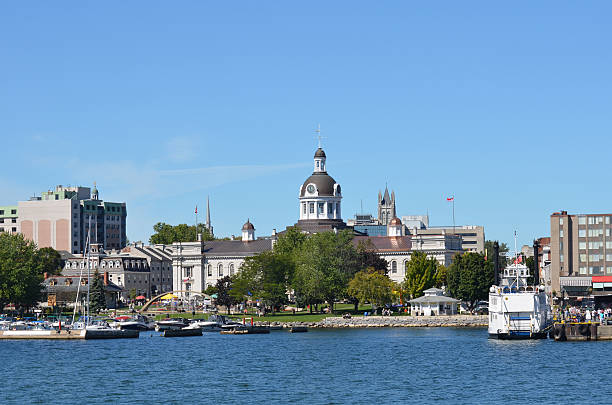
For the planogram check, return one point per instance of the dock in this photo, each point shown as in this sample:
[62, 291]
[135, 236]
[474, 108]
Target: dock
[581, 331]
[69, 334]
[245, 331]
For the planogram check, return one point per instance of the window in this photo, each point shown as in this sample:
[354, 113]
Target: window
[583, 257]
[581, 233]
[209, 270]
[220, 270]
[304, 208]
[311, 208]
[581, 220]
[581, 245]
[14, 220]
[561, 246]
[609, 270]
[608, 245]
[609, 257]
[231, 269]
[561, 233]
[1, 212]
[583, 270]
[13, 211]
[595, 270]
[595, 245]
[321, 208]
[560, 221]
[14, 229]
[594, 258]
[561, 258]
[330, 208]
[393, 266]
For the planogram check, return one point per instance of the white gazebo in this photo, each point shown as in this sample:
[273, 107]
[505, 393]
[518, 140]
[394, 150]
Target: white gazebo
[434, 302]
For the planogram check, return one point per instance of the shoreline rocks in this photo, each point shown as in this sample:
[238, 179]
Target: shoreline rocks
[451, 321]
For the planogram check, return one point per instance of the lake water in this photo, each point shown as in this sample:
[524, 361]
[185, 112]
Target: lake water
[328, 366]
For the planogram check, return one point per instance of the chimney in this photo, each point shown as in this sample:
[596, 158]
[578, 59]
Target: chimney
[106, 278]
[274, 232]
[496, 262]
[536, 260]
[199, 237]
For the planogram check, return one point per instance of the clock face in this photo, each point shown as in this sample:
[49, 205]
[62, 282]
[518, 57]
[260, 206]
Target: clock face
[310, 188]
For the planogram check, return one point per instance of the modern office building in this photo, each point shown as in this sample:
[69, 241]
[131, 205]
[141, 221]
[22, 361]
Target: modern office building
[472, 236]
[61, 219]
[581, 254]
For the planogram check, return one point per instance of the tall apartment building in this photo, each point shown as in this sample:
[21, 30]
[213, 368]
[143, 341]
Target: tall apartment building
[581, 253]
[61, 219]
[8, 219]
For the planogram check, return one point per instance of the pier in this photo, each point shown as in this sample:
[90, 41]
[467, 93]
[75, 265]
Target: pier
[581, 331]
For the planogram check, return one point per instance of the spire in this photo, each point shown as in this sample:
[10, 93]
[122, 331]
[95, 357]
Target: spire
[386, 198]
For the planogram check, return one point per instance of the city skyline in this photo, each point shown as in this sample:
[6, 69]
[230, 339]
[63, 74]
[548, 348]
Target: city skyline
[490, 104]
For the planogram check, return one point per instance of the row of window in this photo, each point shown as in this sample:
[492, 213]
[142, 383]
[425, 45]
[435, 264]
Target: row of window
[321, 208]
[594, 257]
[595, 270]
[13, 212]
[220, 270]
[14, 229]
[592, 233]
[13, 220]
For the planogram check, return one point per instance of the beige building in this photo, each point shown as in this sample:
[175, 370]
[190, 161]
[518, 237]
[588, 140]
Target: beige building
[581, 253]
[473, 236]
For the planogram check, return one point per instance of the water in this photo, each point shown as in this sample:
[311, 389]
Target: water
[354, 366]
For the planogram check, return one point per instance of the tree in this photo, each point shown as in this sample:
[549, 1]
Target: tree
[167, 234]
[326, 262]
[20, 271]
[490, 251]
[469, 278]
[370, 285]
[50, 260]
[133, 294]
[421, 272]
[263, 276]
[210, 290]
[368, 258]
[441, 276]
[224, 287]
[97, 297]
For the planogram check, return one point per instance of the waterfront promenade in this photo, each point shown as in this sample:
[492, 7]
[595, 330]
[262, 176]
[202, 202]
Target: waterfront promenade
[390, 321]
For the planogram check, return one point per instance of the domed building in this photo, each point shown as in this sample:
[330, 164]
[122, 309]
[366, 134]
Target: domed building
[320, 199]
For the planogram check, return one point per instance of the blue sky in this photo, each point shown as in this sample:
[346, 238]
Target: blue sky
[506, 106]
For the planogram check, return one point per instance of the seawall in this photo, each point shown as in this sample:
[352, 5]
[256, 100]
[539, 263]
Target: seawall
[454, 321]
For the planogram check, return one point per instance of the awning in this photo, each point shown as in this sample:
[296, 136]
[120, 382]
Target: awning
[140, 297]
[575, 281]
[168, 296]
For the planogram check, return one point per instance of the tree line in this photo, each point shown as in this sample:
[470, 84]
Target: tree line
[327, 267]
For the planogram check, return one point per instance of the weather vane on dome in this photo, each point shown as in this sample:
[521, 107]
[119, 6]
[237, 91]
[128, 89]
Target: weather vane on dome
[318, 132]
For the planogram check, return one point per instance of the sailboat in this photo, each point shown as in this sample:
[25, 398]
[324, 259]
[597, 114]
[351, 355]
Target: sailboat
[88, 328]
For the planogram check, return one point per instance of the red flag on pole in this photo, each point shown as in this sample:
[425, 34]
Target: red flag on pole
[450, 198]
[196, 209]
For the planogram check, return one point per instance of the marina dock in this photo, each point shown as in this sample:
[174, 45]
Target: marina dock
[68, 334]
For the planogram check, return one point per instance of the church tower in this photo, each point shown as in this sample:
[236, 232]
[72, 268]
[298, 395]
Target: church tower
[386, 207]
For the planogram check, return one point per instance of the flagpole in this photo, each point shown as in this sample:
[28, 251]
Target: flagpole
[453, 213]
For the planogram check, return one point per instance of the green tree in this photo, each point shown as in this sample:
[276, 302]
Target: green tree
[20, 271]
[326, 262]
[210, 290]
[368, 258]
[370, 285]
[224, 298]
[441, 276]
[469, 278]
[133, 294]
[167, 234]
[97, 297]
[50, 260]
[490, 252]
[421, 272]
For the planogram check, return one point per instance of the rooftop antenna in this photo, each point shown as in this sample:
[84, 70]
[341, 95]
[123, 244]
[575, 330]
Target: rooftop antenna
[361, 206]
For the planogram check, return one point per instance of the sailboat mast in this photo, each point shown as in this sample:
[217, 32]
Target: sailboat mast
[88, 266]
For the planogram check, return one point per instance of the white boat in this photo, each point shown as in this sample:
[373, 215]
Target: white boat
[138, 322]
[518, 310]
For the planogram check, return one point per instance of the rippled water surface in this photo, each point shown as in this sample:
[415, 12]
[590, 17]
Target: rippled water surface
[331, 366]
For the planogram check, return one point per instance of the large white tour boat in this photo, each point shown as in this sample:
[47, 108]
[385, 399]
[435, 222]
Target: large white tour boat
[518, 310]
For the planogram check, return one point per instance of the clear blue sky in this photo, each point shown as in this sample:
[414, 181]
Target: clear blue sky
[506, 106]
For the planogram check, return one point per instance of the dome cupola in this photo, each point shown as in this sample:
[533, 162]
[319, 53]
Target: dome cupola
[248, 231]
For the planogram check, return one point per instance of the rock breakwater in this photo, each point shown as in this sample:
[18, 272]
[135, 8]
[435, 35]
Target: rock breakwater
[455, 321]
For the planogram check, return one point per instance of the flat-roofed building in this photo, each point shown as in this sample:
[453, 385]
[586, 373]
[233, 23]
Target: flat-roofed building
[9, 219]
[581, 253]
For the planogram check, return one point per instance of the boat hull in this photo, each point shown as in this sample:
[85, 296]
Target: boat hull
[518, 336]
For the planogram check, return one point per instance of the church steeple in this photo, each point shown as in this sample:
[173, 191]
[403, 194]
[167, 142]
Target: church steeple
[208, 224]
[386, 207]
